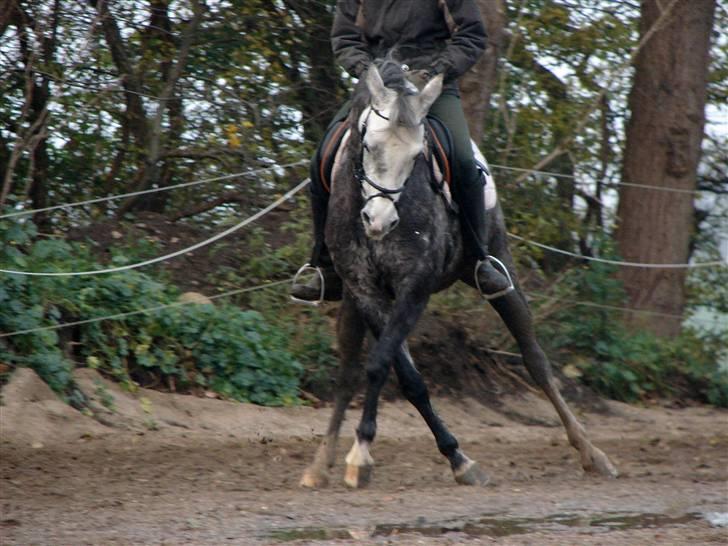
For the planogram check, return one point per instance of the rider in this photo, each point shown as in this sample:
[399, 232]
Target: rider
[431, 37]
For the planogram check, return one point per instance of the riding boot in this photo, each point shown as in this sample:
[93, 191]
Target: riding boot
[491, 282]
[320, 258]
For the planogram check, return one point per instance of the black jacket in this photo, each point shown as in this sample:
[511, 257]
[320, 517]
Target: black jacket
[442, 36]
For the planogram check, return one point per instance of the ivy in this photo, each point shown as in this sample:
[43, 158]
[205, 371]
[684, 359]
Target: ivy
[235, 353]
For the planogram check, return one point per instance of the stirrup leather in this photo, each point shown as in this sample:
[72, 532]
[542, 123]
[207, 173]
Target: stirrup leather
[495, 261]
[305, 268]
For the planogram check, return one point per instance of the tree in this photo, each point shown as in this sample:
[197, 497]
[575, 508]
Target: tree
[664, 136]
[37, 36]
[479, 83]
[147, 129]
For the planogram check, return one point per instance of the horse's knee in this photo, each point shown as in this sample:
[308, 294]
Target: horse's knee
[376, 375]
[377, 370]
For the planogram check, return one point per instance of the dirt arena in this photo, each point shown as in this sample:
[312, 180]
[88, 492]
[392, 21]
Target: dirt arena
[157, 468]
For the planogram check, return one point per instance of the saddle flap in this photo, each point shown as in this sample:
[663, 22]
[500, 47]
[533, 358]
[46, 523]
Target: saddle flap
[442, 148]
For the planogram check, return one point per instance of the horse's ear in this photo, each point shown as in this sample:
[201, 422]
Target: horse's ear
[375, 84]
[429, 94]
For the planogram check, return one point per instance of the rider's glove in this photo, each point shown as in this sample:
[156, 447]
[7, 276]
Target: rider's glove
[438, 67]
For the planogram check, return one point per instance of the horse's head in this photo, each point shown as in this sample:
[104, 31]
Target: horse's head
[392, 133]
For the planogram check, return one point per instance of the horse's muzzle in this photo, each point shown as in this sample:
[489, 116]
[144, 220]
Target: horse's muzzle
[378, 228]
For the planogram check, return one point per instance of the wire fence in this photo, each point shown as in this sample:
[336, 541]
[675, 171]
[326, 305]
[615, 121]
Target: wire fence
[290, 194]
[154, 190]
[259, 215]
[119, 316]
[285, 166]
[274, 284]
[172, 255]
[537, 172]
[621, 263]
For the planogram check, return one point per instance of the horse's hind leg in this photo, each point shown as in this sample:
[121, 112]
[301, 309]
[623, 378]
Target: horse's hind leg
[514, 311]
[465, 470]
[350, 335]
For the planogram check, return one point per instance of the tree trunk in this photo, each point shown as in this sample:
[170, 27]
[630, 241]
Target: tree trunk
[478, 83]
[321, 95]
[37, 44]
[147, 130]
[7, 11]
[664, 136]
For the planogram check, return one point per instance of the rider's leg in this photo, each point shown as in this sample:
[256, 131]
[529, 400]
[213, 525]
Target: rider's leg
[468, 191]
[311, 291]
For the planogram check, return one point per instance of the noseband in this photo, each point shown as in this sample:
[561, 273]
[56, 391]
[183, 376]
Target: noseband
[361, 175]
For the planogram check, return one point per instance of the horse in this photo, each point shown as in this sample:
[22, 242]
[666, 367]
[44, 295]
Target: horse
[394, 240]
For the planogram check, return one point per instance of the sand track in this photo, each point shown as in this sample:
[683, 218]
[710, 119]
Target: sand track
[172, 469]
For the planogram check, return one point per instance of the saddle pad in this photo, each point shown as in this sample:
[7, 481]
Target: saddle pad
[442, 149]
[491, 193]
[336, 163]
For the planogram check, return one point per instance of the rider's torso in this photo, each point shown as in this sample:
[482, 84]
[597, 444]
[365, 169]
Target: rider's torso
[417, 28]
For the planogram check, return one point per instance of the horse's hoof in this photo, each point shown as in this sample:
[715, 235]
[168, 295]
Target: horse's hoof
[314, 478]
[358, 476]
[598, 463]
[471, 474]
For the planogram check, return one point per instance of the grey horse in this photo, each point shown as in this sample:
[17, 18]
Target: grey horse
[395, 240]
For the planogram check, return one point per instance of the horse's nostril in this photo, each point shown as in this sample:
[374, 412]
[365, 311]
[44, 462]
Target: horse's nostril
[394, 224]
[364, 216]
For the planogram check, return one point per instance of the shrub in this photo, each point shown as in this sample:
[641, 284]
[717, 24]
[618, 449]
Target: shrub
[624, 364]
[233, 352]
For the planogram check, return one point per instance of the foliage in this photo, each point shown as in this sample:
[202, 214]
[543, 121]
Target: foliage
[256, 90]
[309, 332]
[630, 365]
[235, 353]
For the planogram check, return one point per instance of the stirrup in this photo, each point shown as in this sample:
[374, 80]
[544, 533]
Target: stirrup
[502, 266]
[304, 269]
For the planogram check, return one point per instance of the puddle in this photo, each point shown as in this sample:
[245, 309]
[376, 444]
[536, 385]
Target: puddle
[717, 519]
[642, 521]
[310, 533]
[493, 526]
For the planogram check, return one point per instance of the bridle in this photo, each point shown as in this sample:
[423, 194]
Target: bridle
[361, 175]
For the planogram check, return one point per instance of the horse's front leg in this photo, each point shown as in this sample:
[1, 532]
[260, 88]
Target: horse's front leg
[397, 326]
[465, 470]
[350, 331]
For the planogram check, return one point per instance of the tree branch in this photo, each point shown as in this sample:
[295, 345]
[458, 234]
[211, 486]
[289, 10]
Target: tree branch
[230, 197]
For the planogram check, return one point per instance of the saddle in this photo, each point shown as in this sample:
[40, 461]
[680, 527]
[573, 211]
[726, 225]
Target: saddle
[437, 133]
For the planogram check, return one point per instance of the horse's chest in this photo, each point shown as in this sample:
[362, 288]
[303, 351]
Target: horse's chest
[404, 254]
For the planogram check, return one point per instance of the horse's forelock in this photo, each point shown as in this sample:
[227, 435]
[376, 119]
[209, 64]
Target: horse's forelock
[395, 78]
[403, 113]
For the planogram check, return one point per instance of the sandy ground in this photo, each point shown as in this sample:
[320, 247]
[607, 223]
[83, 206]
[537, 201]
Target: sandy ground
[172, 469]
